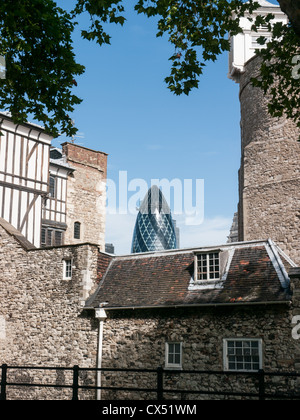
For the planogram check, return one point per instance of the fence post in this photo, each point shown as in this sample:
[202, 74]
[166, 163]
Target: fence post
[261, 378]
[75, 382]
[3, 382]
[160, 383]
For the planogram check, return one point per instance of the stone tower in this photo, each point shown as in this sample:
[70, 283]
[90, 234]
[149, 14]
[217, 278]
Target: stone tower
[86, 195]
[269, 176]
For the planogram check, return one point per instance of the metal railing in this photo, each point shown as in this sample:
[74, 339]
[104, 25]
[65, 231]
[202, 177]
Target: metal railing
[160, 390]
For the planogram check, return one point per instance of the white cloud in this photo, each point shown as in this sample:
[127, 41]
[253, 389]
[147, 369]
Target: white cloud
[211, 232]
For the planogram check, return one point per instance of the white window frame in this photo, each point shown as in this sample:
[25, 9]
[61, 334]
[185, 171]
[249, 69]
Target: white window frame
[226, 354]
[208, 272]
[169, 365]
[209, 283]
[67, 273]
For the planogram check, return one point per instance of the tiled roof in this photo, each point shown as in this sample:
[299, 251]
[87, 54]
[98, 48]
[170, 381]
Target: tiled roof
[254, 273]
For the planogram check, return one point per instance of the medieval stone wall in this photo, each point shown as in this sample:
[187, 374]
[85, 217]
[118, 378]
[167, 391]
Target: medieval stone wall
[136, 339]
[43, 323]
[269, 178]
[41, 317]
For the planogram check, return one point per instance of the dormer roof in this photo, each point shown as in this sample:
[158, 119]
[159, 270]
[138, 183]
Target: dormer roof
[253, 273]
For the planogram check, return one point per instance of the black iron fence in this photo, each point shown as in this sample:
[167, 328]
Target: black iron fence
[262, 385]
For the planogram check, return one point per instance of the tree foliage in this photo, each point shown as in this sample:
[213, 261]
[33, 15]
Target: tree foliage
[280, 72]
[41, 70]
[36, 41]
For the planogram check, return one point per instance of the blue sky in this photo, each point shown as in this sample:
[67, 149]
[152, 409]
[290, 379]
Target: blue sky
[128, 112]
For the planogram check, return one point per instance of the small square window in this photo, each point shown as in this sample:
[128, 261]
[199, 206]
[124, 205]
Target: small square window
[173, 355]
[67, 269]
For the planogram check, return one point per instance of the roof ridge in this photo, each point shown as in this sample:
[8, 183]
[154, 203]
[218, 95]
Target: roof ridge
[242, 244]
[94, 295]
[284, 255]
[277, 264]
[19, 237]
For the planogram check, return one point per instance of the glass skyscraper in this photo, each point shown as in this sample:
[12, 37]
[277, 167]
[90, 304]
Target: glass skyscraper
[154, 229]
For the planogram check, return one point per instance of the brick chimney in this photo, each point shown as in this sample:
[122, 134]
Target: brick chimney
[84, 156]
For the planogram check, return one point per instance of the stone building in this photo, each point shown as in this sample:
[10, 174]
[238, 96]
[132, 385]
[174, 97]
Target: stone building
[74, 209]
[269, 176]
[171, 309]
[86, 195]
[226, 308]
[42, 294]
[64, 302]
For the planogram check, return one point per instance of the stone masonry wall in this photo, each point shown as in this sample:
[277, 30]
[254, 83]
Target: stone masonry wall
[269, 177]
[41, 317]
[43, 323]
[136, 339]
[86, 194]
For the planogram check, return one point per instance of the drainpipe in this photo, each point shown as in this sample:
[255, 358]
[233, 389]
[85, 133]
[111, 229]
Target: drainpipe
[101, 315]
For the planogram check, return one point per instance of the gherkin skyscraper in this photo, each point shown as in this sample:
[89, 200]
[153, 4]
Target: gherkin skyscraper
[154, 229]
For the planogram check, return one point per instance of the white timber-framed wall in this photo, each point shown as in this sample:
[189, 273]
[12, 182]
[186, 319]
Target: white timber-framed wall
[54, 211]
[55, 207]
[24, 175]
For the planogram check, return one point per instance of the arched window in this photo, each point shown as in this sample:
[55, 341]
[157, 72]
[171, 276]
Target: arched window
[77, 230]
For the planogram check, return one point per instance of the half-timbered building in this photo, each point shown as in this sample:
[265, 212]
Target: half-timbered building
[52, 196]
[54, 213]
[24, 175]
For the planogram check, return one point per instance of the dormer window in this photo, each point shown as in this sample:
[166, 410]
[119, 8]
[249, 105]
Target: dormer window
[209, 269]
[208, 266]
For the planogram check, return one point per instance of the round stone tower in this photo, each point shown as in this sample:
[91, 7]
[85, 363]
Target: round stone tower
[269, 176]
